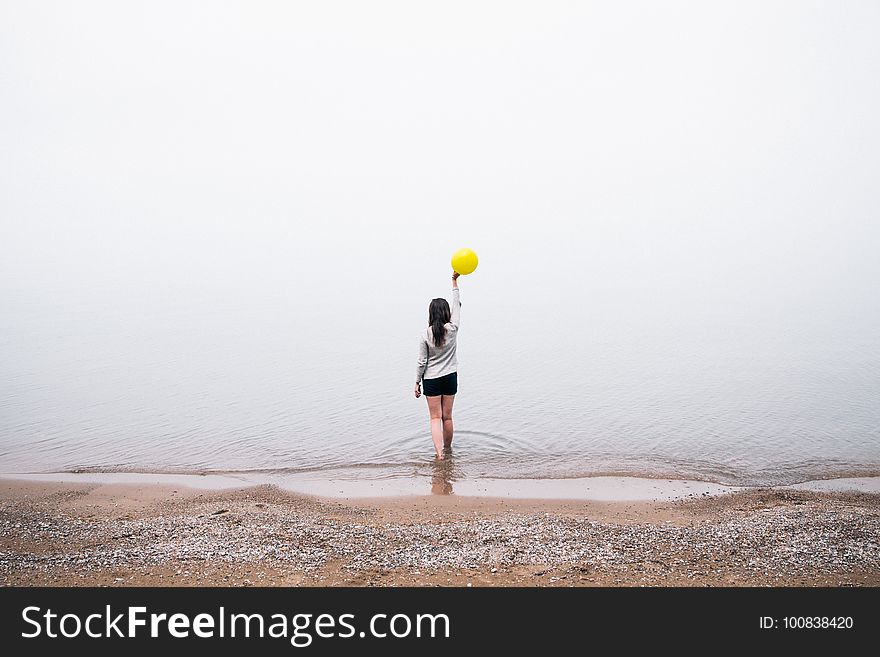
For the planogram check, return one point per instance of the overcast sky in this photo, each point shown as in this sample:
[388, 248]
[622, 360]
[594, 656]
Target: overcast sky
[675, 153]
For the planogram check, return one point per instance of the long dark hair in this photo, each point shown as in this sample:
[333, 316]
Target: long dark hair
[438, 315]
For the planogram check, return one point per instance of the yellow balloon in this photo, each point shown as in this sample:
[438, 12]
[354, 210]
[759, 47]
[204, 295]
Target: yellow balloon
[464, 261]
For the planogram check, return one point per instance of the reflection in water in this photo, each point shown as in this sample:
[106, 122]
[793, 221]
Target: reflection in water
[442, 475]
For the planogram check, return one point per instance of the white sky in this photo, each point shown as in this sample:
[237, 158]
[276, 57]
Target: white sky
[680, 153]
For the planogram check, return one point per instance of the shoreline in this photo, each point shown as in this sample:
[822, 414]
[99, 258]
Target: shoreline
[596, 488]
[145, 533]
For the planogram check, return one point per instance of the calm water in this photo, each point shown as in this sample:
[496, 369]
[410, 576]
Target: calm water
[251, 380]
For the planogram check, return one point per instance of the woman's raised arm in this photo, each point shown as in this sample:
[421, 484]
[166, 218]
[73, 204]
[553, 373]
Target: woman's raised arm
[455, 320]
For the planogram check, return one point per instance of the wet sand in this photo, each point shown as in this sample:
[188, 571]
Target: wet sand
[608, 488]
[130, 534]
[598, 488]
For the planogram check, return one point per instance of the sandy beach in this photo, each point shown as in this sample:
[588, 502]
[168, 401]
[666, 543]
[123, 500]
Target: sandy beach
[96, 534]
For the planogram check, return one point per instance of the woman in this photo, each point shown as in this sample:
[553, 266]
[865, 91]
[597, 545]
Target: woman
[439, 368]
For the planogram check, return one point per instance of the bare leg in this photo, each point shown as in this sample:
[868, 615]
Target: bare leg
[446, 415]
[436, 411]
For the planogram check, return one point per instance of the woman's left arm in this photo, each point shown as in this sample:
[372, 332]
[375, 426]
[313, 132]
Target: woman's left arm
[421, 366]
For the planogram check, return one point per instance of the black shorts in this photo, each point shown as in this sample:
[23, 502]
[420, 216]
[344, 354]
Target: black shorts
[445, 385]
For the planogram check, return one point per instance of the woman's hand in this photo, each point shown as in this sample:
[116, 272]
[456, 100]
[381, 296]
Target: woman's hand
[418, 390]
[455, 275]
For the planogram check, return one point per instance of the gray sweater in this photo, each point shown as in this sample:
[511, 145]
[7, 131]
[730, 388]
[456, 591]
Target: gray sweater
[435, 362]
